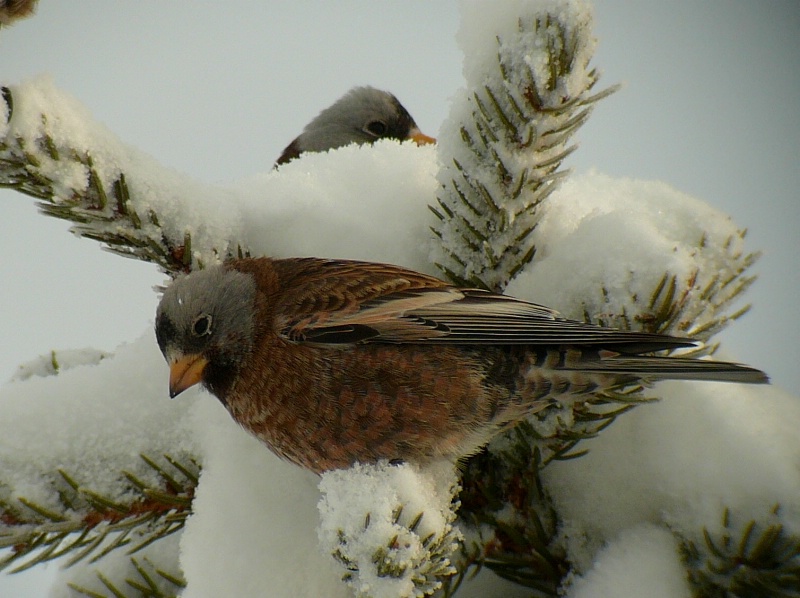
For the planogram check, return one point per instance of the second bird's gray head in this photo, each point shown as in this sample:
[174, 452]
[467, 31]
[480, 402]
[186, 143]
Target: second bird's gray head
[205, 327]
[362, 115]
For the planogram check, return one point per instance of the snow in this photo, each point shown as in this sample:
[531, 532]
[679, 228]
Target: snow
[261, 513]
[91, 421]
[355, 202]
[641, 561]
[660, 473]
[58, 361]
[680, 462]
[604, 245]
[380, 491]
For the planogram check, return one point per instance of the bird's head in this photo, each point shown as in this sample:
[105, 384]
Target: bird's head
[204, 327]
[362, 115]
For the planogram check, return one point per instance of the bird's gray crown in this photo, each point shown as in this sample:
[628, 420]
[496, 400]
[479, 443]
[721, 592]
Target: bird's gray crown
[356, 106]
[227, 296]
[343, 122]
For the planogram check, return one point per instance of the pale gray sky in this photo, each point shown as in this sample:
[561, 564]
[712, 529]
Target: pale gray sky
[217, 90]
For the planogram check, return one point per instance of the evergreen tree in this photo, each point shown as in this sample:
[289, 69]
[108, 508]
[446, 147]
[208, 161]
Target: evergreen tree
[501, 155]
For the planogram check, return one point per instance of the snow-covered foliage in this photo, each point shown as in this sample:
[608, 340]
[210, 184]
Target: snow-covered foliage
[640, 509]
[323, 205]
[681, 463]
[528, 83]
[92, 422]
[412, 508]
[58, 361]
[610, 258]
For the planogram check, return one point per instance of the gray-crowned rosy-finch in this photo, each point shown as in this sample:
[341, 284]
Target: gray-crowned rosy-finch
[332, 362]
[362, 115]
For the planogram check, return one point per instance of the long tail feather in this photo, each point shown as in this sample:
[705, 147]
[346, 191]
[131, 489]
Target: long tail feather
[676, 368]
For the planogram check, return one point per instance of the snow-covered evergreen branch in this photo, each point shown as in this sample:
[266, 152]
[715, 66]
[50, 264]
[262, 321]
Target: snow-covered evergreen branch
[86, 524]
[50, 149]
[390, 527]
[514, 123]
[625, 253]
[756, 558]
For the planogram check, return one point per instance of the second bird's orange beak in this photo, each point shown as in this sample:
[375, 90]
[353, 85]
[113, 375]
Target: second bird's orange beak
[419, 137]
[185, 372]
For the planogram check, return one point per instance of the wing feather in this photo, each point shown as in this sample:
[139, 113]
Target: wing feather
[340, 302]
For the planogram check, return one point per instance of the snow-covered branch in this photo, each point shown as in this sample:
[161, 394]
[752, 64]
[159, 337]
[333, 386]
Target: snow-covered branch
[51, 149]
[391, 527]
[625, 253]
[90, 463]
[507, 135]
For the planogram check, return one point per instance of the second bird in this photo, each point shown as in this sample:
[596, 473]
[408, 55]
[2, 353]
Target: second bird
[362, 115]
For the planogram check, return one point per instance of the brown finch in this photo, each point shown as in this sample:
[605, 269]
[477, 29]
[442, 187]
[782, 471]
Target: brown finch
[332, 362]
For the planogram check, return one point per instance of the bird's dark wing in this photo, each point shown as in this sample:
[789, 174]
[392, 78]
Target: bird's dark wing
[336, 302]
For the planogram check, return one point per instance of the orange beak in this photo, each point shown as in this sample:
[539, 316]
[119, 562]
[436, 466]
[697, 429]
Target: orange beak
[185, 372]
[419, 137]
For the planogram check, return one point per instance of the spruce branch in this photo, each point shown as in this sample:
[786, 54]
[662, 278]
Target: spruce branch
[503, 493]
[753, 558]
[697, 306]
[103, 202]
[89, 525]
[146, 580]
[512, 141]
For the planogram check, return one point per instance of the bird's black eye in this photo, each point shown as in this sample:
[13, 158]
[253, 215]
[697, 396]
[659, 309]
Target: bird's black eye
[201, 325]
[377, 128]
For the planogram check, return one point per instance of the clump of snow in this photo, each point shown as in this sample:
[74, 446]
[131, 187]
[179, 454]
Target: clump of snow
[253, 528]
[604, 245]
[54, 362]
[370, 522]
[680, 462]
[93, 423]
[642, 561]
[355, 202]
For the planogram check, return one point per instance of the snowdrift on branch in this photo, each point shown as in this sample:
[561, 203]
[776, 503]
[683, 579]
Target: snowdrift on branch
[657, 489]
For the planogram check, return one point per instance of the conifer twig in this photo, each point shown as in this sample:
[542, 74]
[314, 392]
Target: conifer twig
[756, 558]
[89, 525]
[101, 201]
[513, 138]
